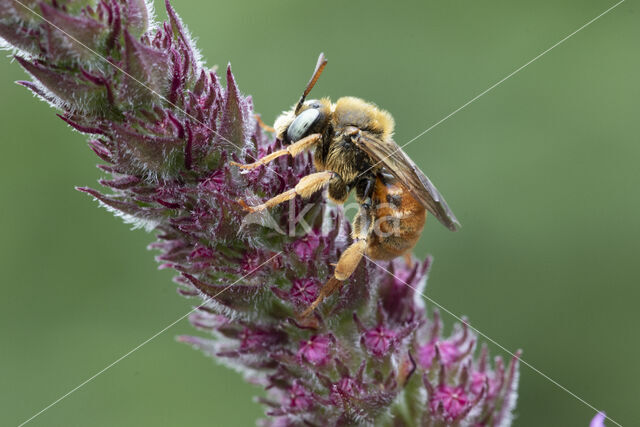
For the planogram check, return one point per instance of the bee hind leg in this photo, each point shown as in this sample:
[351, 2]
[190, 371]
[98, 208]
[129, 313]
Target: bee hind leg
[408, 259]
[305, 188]
[293, 150]
[326, 291]
[350, 258]
[347, 264]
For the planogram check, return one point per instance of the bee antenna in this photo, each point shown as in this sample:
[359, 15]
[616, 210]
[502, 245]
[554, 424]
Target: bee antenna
[322, 62]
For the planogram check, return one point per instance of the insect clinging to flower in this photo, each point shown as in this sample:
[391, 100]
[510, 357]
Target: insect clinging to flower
[354, 150]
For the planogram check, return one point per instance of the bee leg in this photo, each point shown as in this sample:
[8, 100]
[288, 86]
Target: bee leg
[304, 188]
[362, 228]
[408, 259]
[350, 258]
[338, 191]
[263, 125]
[292, 150]
[326, 291]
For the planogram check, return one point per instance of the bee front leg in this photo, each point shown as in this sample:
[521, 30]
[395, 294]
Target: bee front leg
[263, 125]
[350, 258]
[293, 150]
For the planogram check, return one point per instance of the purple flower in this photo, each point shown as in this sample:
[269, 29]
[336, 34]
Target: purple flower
[304, 291]
[166, 160]
[479, 382]
[378, 340]
[345, 390]
[298, 399]
[598, 420]
[449, 402]
[305, 247]
[449, 351]
[315, 350]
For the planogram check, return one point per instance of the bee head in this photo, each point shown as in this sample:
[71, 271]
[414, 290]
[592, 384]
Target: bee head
[307, 117]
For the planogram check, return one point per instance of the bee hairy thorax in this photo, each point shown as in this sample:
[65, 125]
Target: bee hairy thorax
[338, 153]
[399, 220]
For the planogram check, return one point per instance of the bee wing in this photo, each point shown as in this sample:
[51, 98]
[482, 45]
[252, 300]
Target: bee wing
[396, 161]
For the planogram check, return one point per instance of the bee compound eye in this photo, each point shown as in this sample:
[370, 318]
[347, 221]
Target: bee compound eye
[302, 123]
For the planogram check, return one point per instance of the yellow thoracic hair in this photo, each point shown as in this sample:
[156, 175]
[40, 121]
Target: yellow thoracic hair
[370, 116]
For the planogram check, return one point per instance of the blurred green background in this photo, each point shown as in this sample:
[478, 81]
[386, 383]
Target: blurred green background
[542, 171]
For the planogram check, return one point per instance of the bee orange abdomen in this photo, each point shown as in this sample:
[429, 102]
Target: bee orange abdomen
[399, 220]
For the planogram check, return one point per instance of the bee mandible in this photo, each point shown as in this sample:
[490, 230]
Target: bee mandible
[354, 150]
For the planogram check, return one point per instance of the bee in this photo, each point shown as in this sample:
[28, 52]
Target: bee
[354, 150]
